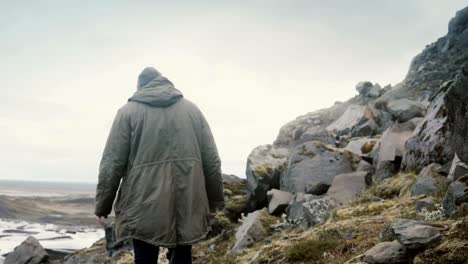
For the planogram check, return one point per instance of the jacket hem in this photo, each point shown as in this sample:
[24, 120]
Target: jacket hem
[163, 244]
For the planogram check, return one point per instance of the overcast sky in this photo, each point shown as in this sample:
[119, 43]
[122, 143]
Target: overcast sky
[251, 66]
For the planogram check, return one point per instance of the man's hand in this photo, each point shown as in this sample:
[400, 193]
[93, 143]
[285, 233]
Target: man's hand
[102, 220]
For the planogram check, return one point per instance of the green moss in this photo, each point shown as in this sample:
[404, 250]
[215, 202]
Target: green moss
[263, 170]
[368, 147]
[309, 250]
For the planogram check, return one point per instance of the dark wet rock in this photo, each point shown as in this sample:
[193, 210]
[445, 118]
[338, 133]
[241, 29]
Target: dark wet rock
[264, 167]
[427, 204]
[346, 186]
[415, 235]
[429, 142]
[456, 195]
[28, 252]
[387, 252]
[278, 201]
[313, 165]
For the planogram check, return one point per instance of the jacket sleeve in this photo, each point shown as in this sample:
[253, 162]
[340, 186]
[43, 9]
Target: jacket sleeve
[211, 167]
[113, 164]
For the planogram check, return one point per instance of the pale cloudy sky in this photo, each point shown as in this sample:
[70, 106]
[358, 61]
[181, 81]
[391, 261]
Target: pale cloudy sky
[251, 66]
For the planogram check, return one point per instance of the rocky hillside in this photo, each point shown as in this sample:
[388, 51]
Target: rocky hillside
[380, 178]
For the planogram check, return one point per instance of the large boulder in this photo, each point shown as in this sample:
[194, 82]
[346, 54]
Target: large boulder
[346, 186]
[278, 201]
[264, 167]
[29, 251]
[367, 89]
[404, 110]
[458, 169]
[429, 180]
[250, 231]
[358, 120]
[392, 146]
[387, 252]
[313, 165]
[456, 102]
[415, 235]
[456, 195]
[429, 142]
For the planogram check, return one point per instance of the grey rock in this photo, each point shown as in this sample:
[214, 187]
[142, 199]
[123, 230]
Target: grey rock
[387, 169]
[404, 110]
[458, 169]
[429, 142]
[313, 165]
[250, 231]
[423, 185]
[264, 167]
[346, 186]
[317, 210]
[426, 203]
[457, 194]
[387, 252]
[294, 211]
[231, 178]
[29, 251]
[356, 145]
[367, 89]
[414, 235]
[365, 167]
[278, 201]
[357, 119]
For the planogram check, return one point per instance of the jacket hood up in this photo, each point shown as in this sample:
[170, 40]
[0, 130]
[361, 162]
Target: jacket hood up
[155, 89]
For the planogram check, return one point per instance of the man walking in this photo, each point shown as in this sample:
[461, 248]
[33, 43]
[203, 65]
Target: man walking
[162, 163]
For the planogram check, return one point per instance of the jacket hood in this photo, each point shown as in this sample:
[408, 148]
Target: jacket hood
[155, 90]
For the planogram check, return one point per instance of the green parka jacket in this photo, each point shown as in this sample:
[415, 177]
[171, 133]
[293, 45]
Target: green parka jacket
[162, 163]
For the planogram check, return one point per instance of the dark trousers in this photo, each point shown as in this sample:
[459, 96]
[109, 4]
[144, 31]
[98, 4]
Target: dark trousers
[148, 254]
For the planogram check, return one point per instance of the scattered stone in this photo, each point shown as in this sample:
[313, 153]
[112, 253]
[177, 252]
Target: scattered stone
[264, 167]
[316, 211]
[295, 211]
[427, 180]
[387, 252]
[278, 201]
[250, 231]
[313, 165]
[415, 235]
[28, 252]
[426, 203]
[457, 194]
[346, 186]
[458, 169]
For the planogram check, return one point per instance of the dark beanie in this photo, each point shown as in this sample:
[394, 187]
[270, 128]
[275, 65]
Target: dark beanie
[146, 76]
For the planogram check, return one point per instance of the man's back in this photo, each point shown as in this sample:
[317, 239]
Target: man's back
[162, 149]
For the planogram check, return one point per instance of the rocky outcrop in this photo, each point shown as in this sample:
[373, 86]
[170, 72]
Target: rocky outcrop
[313, 165]
[429, 141]
[456, 102]
[414, 235]
[28, 252]
[387, 252]
[357, 120]
[264, 167]
[404, 110]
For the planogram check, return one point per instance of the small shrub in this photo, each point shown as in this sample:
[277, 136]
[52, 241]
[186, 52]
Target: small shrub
[309, 249]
